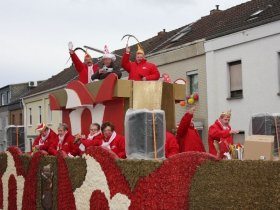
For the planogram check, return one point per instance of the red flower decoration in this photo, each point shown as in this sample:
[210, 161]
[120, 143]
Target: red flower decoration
[65, 196]
[30, 185]
[166, 188]
[161, 189]
[16, 152]
[169, 183]
[98, 201]
[12, 196]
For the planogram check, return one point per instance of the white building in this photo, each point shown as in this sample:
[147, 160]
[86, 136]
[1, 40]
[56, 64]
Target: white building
[243, 74]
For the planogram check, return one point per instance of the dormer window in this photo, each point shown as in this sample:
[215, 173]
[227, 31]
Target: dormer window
[256, 14]
[182, 33]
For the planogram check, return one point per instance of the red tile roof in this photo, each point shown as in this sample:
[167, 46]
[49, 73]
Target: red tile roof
[218, 24]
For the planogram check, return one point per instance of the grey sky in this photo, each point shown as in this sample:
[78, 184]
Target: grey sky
[34, 33]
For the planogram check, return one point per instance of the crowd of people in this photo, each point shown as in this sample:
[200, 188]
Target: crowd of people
[140, 70]
[50, 143]
[185, 138]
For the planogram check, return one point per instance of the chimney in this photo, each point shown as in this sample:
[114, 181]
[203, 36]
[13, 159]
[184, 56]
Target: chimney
[213, 11]
[162, 32]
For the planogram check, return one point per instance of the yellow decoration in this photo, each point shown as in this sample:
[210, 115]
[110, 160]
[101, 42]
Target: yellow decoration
[191, 101]
[140, 49]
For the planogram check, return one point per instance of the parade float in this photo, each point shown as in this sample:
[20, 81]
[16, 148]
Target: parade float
[142, 111]
[99, 180]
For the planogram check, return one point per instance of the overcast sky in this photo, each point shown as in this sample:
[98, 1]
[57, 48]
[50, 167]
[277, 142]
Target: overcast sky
[34, 33]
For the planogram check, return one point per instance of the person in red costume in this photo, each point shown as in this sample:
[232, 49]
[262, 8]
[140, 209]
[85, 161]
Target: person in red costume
[109, 66]
[47, 140]
[66, 141]
[94, 137]
[171, 145]
[187, 135]
[113, 141]
[85, 69]
[140, 70]
[220, 135]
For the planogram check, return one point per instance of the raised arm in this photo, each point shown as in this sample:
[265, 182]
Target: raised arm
[184, 124]
[126, 64]
[77, 62]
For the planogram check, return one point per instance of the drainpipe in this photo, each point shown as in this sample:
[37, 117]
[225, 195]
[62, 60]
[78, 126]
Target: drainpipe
[24, 124]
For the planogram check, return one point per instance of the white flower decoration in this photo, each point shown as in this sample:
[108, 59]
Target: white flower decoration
[11, 170]
[96, 180]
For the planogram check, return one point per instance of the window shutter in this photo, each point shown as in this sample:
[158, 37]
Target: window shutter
[235, 76]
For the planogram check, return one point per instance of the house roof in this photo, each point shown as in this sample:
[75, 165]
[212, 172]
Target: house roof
[149, 45]
[232, 20]
[219, 23]
[60, 79]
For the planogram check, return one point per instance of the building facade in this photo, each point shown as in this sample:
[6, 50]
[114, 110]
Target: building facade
[37, 110]
[189, 63]
[243, 74]
[36, 106]
[11, 113]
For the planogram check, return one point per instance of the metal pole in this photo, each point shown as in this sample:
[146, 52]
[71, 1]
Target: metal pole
[277, 137]
[155, 140]
[17, 135]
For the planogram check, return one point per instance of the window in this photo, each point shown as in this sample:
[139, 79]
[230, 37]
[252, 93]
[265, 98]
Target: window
[40, 114]
[235, 79]
[257, 13]
[30, 116]
[193, 78]
[8, 97]
[3, 99]
[20, 119]
[182, 33]
[279, 73]
[13, 119]
[49, 114]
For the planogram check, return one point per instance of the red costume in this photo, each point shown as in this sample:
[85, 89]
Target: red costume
[48, 143]
[94, 141]
[139, 70]
[221, 134]
[116, 144]
[187, 135]
[171, 145]
[67, 145]
[83, 69]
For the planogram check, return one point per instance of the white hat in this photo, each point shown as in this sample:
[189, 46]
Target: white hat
[107, 54]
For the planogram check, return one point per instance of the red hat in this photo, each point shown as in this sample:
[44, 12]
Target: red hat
[87, 55]
[41, 127]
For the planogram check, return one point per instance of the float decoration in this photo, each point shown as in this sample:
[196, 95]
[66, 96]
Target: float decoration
[109, 99]
[105, 184]
[192, 99]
